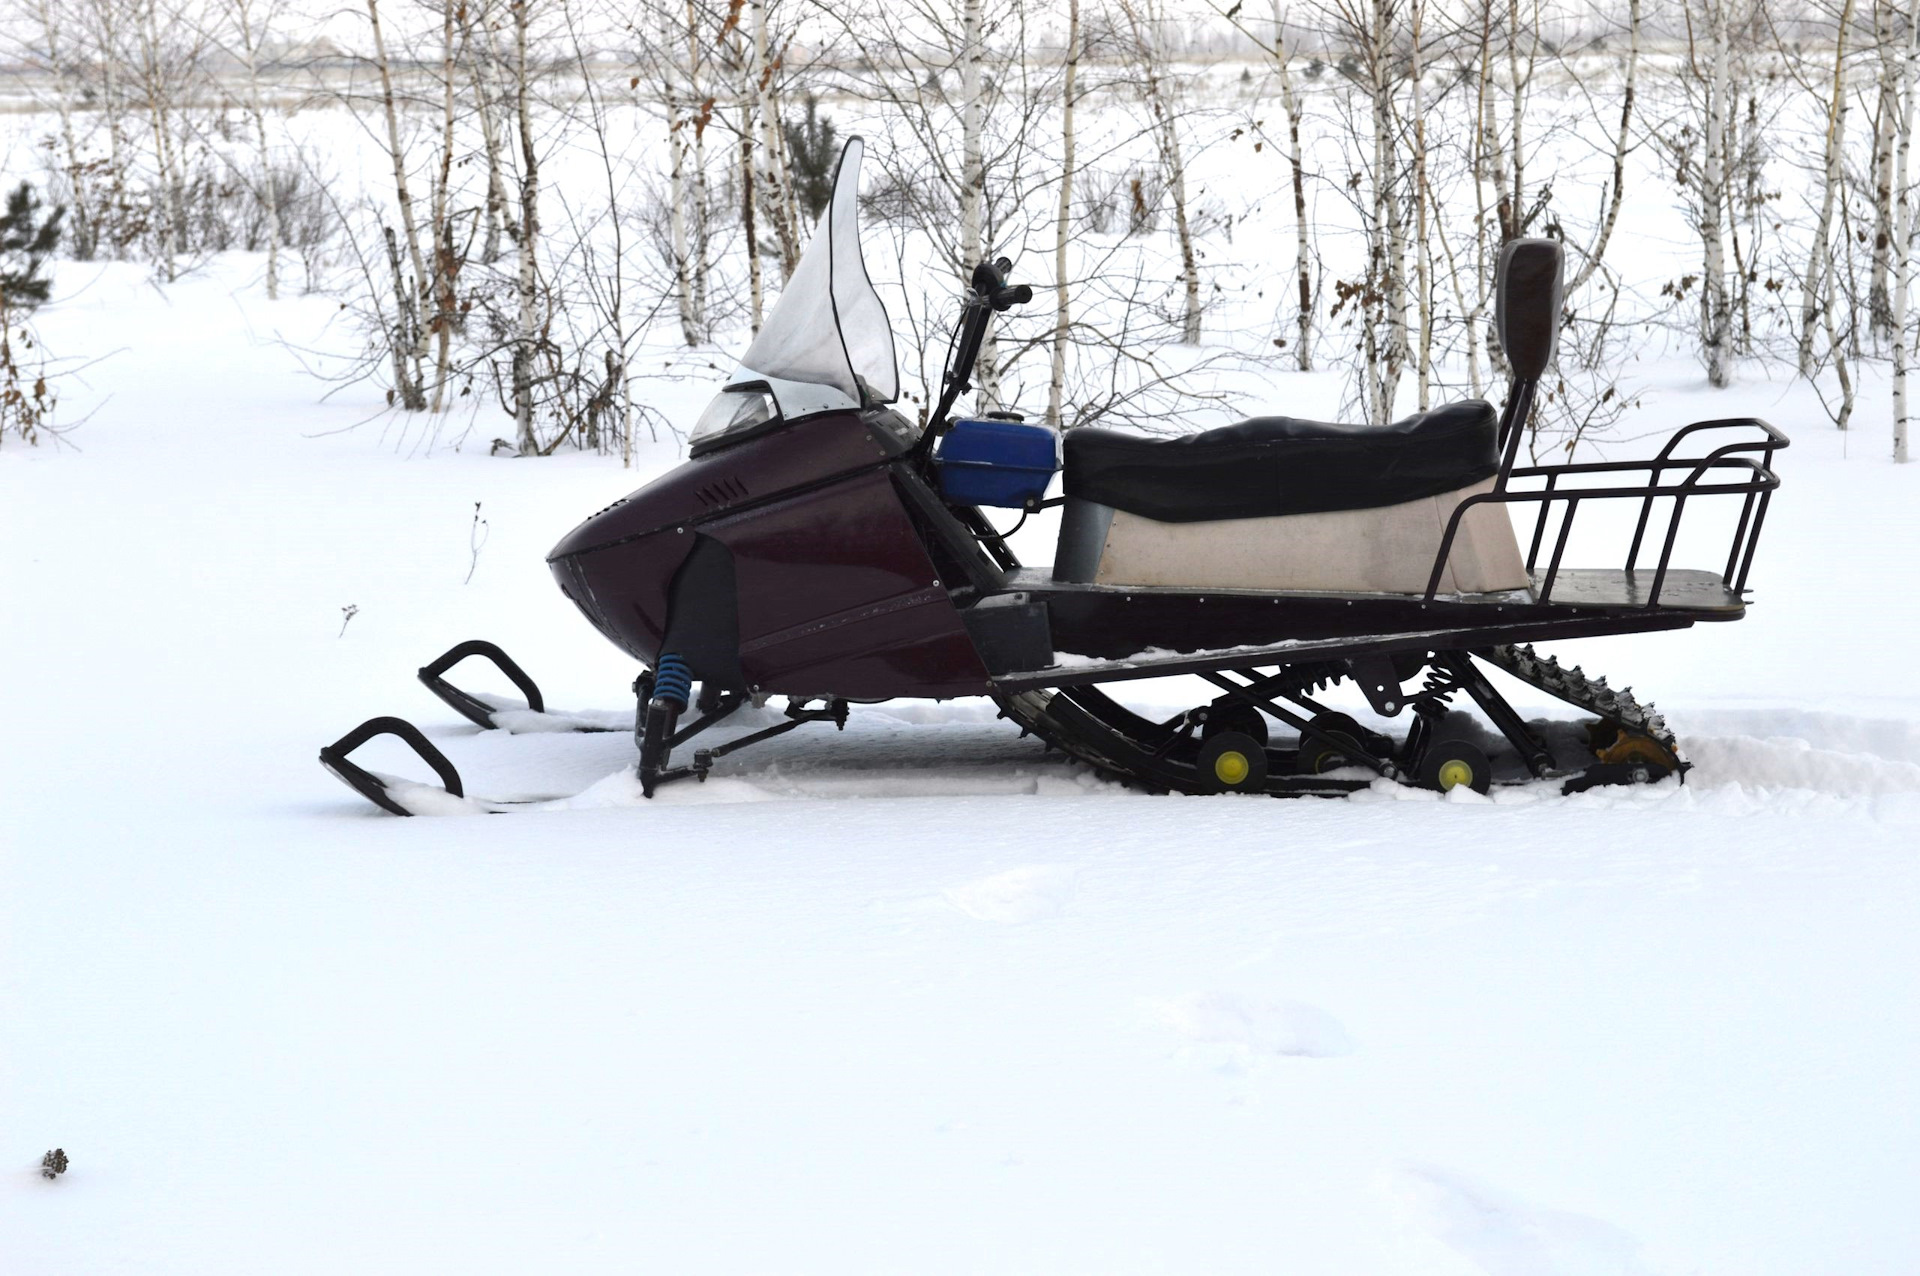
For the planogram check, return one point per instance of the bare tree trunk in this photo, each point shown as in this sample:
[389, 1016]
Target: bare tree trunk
[1388, 249]
[972, 140]
[527, 281]
[409, 225]
[1063, 221]
[269, 196]
[1621, 142]
[1146, 40]
[776, 197]
[1483, 148]
[1493, 156]
[1423, 263]
[445, 306]
[403, 342]
[1885, 126]
[1302, 253]
[1822, 249]
[1518, 111]
[749, 217]
[1715, 313]
[677, 126]
[159, 93]
[973, 183]
[478, 42]
[1903, 234]
[82, 238]
[702, 208]
[1840, 351]
[113, 98]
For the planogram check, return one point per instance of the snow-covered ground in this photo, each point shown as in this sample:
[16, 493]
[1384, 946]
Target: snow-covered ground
[1010, 1018]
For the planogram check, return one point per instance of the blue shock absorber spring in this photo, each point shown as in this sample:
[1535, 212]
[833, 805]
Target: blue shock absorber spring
[672, 680]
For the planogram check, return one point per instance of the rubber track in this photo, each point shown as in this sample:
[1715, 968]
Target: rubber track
[1591, 694]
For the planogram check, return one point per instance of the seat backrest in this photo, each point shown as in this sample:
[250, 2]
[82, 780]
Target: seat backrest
[1527, 304]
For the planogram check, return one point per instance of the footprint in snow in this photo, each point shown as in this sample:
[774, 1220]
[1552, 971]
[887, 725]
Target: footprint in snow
[1023, 894]
[1252, 1028]
[1500, 1234]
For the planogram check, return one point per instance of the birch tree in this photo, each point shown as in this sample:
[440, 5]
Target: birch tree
[527, 293]
[1903, 230]
[1715, 312]
[409, 327]
[82, 234]
[1063, 220]
[1144, 22]
[252, 20]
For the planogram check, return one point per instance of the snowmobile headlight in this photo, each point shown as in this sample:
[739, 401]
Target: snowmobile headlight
[732, 411]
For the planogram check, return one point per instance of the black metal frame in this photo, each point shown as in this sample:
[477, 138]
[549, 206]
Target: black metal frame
[1757, 485]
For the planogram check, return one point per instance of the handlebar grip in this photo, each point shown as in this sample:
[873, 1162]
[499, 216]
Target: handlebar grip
[1006, 298]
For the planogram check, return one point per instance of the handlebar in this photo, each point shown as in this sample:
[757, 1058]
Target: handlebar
[989, 292]
[991, 287]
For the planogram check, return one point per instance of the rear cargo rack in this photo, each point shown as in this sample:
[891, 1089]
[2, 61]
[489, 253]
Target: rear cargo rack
[1734, 471]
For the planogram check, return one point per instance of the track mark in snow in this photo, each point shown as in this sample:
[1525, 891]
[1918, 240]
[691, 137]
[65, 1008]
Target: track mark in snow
[1788, 763]
[1248, 1029]
[1500, 1234]
[1024, 894]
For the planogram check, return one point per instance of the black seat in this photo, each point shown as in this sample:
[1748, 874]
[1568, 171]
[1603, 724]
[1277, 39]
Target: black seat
[1283, 465]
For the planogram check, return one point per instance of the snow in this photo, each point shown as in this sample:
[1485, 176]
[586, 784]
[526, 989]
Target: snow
[998, 1014]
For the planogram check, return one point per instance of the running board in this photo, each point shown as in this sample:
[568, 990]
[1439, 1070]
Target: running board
[1159, 663]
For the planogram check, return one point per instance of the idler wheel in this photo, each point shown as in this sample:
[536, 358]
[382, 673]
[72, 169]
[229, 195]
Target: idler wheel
[1233, 762]
[1350, 739]
[1449, 764]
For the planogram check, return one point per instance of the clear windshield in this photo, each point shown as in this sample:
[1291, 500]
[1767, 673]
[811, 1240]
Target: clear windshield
[826, 344]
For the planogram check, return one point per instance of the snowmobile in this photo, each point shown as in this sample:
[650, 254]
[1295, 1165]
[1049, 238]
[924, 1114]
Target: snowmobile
[820, 546]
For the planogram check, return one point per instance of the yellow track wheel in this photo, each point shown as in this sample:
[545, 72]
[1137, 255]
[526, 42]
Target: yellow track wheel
[1233, 762]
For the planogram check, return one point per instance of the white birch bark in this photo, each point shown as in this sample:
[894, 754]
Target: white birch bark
[677, 126]
[701, 199]
[106, 25]
[972, 139]
[78, 183]
[440, 231]
[1063, 220]
[1621, 143]
[973, 183]
[478, 44]
[256, 110]
[1483, 227]
[403, 194]
[1144, 22]
[749, 218]
[1885, 126]
[158, 94]
[1822, 248]
[1388, 247]
[527, 279]
[1423, 262]
[775, 199]
[1517, 113]
[1716, 314]
[1302, 252]
[1903, 234]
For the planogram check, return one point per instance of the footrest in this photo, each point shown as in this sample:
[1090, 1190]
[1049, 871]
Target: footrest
[467, 705]
[370, 786]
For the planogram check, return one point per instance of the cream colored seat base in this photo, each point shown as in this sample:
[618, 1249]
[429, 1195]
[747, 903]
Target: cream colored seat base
[1388, 550]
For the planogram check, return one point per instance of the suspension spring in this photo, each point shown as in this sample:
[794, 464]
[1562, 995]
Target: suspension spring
[672, 680]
